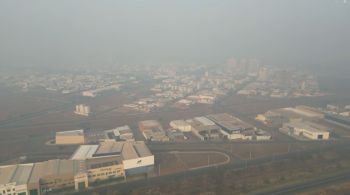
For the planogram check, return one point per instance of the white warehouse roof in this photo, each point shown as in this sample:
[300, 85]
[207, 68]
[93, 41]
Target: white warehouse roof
[311, 127]
[128, 150]
[205, 121]
[180, 123]
[84, 152]
[79, 132]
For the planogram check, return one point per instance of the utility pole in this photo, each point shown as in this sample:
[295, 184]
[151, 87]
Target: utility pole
[159, 170]
[208, 160]
[250, 151]
[289, 145]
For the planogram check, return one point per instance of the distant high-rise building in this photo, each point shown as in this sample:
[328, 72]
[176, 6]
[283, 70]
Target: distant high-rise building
[82, 109]
[303, 85]
[263, 74]
[232, 63]
[207, 74]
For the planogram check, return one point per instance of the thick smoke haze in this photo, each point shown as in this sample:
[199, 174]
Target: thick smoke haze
[312, 33]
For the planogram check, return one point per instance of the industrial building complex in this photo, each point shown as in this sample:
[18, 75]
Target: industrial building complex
[181, 125]
[220, 126]
[234, 128]
[280, 116]
[123, 133]
[115, 154]
[135, 157]
[89, 164]
[305, 129]
[205, 129]
[299, 122]
[152, 130]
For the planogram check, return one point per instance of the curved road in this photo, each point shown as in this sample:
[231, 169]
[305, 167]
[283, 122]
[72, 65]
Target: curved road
[228, 159]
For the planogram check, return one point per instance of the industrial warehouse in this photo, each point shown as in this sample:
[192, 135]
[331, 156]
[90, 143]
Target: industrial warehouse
[70, 137]
[220, 127]
[153, 131]
[123, 133]
[135, 157]
[205, 129]
[234, 128]
[180, 125]
[115, 155]
[89, 164]
[305, 130]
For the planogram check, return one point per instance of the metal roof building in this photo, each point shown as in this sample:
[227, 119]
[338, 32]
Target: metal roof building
[26, 178]
[204, 121]
[229, 123]
[70, 133]
[135, 150]
[88, 164]
[19, 174]
[84, 152]
[109, 148]
[127, 150]
[306, 129]
[152, 130]
[70, 137]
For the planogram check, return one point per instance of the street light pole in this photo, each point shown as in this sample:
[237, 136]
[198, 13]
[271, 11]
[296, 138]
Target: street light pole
[208, 160]
[289, 147]
[159, 170]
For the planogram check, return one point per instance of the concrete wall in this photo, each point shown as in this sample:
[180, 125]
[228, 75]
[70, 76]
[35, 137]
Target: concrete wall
[310, 134]
[12, 188]
[314, 135]
[139, 170]
[56, 182]
[104, 173]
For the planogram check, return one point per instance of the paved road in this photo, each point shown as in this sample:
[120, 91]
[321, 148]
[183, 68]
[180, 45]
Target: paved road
[228, 159]
[223, 146]
[309, 185]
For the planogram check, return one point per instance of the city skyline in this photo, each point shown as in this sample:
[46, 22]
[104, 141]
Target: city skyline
[69, 33]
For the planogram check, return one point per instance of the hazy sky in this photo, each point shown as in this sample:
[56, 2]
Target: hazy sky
[53, 32]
